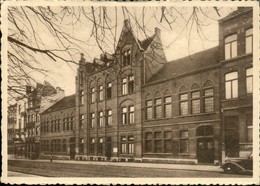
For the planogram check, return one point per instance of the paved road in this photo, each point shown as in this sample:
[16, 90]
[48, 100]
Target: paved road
[48, 169]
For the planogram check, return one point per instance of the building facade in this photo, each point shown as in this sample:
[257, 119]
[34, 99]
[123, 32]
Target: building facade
[236, 82]
[58, 130]
[11, 128]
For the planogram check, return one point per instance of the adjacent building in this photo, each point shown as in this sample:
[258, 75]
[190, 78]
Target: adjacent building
[11, 128]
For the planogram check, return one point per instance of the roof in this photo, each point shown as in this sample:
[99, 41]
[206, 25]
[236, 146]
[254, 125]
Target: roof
[235, 13]
[66, 102]
[146, 42]
[187, 64]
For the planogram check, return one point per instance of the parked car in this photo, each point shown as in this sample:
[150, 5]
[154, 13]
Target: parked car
[238, 165]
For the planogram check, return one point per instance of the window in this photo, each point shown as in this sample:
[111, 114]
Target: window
[81, 121]
[167, 141]
[68, 123]
[81, 145]
[109, 90]
[124, 86]
[130, 84]
[126, 57]
[148, 142]
[100, 119]
[208, 100]
[100, 93]
[184, 143]
[130, 144]
[64, 147]
[249, 123]
[149, 110]
[109, 117]
[195, 102]
[81, 97]
[158, 108]
[231, 85]
[124, 115]
[123, 145]
[93, 95]
[100, 145]
[127, 86]
[167, 107]
[92, 145]
[131, 114]
[184, 104]
[231, 46]
[249, 80]
[249, 40]
[158, 142]
[92, 120]
[72, 123]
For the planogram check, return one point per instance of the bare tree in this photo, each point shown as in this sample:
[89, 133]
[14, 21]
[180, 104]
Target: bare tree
[28, 27]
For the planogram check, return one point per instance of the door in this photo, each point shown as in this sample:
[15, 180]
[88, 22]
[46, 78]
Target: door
[205, 150]
[231, 136]
[108, 148]
[72, 148]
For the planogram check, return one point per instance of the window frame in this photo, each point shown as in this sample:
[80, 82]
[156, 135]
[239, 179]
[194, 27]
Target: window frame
[100, 93]
[249, 36]
[109, 91]
[183, 101]
[232, 81]
[185, 149]
[249, 76]
[232, 43]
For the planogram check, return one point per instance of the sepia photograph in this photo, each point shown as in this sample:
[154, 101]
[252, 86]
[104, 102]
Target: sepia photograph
[151, 92]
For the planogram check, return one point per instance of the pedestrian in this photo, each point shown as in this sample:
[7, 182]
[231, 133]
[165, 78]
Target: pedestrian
[51, 158]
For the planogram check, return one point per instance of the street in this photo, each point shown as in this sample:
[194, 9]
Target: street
[54, 169]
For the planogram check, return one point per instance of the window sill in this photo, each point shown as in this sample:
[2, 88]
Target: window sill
[231, 99]
[184, 154]
[157, 153]
[200, 114]
[235, 58]
[156, 119]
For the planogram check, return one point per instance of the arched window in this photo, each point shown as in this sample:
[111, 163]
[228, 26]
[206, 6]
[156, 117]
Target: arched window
[157, 105]
[183, 101]
[100, 90]
[208, 96]
[148, 107]
[195, 98]
[108, 88]
[92, 92]
[167, 104]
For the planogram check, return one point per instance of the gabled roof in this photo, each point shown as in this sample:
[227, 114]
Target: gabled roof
[187, 64]
[236, 13]
[146, 42]
[66, 102]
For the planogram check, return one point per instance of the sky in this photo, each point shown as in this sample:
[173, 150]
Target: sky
[177, 41]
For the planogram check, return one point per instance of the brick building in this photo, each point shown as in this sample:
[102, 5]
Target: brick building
[133, 105]
[11, 128]
[58, 130]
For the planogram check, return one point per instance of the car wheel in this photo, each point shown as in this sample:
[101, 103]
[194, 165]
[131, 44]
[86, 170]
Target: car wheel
[228, 169]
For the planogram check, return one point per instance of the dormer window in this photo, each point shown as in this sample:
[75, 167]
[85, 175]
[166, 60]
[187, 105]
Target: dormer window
[249, 40]
[231, 46]
[126, 57]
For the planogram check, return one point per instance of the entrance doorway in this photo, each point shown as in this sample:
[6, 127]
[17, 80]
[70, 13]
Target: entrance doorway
[231, 136]
[72, 148]
[205, 144]
[108, 148]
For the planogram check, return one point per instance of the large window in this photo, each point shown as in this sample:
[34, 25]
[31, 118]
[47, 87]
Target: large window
[158, 142]
[184, 104]
[148, 142]
[158, 108]
[195, 102]
[100, 119]
[93, 97]
[127, 144]
[109, 90]
[127, 85]
[92, 120]
[64, 145]
[249, 80]
[124, 86]
[128, 115]
[231, 46]
[100, 93]
[109, 117]
[126, 57]
[92, 145]
[100, 145]
[81, 97]
[231, 85]
[184, 141]
[208, 100]
[81, 121]
[130, 84]
[167, 141]
[81, 145]
[249, 40]
[167, 107]
[149, 109]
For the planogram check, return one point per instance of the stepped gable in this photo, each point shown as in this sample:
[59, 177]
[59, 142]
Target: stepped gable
[66, 102]
[187, 64]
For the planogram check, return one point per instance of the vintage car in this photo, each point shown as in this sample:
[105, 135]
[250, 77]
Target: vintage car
[238, 165]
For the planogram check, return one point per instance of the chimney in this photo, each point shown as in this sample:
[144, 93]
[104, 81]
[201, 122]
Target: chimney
[157, 31]
[82, 59]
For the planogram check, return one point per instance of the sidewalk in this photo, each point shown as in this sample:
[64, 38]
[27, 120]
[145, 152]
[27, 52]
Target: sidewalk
[207, 168]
